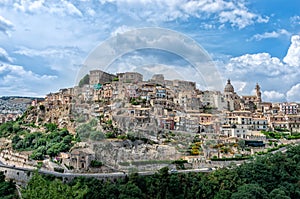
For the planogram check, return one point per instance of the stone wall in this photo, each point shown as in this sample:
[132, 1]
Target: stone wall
[21, 177]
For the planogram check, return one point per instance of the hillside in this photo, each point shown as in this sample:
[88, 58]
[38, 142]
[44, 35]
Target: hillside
[266, 177]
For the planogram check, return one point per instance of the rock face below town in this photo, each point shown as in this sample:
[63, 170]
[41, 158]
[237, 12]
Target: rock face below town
[126, 154]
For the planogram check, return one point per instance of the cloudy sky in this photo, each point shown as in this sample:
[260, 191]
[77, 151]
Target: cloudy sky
[43, 44]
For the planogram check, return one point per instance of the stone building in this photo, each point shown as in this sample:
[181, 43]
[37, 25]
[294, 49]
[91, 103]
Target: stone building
[158, 78]
[132, 91]
[232, 99]
[213, 99]
[252, 102]
[289, 108]
[147, 90]
[79, 159]
[180, 85]
[130, 77]
[100, 77]
[260, 123]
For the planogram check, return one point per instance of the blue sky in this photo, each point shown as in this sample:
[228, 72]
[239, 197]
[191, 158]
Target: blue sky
[43, 44]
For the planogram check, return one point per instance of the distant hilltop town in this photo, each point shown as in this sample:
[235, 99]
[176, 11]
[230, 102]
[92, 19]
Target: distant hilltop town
[137, 105]
[12, 107]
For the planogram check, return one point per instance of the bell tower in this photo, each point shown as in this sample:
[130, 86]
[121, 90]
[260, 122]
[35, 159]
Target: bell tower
[258, 93]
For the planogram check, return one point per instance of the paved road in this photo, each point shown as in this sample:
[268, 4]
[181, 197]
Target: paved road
[97, 175]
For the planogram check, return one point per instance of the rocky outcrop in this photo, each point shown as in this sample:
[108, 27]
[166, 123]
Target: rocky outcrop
[118, 153]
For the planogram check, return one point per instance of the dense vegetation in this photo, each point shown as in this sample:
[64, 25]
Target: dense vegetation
[281, 133]
[53, 141]
[271, 176]
[7, 189]
[43, 144]
[9, 128]
[43, 187]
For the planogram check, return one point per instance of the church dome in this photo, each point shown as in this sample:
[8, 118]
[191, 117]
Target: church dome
[228, 88]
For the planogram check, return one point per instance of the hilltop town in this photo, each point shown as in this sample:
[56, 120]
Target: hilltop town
[13, 107]
[125, 122]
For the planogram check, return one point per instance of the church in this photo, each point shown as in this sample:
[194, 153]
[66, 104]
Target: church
[235, 102]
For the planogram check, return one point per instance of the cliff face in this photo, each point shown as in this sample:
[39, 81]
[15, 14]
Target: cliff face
[61, 115]
[137, 154]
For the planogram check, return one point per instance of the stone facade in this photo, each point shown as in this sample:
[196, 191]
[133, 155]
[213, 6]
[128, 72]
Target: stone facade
[100, 77]
[130, 77]
[79, 159]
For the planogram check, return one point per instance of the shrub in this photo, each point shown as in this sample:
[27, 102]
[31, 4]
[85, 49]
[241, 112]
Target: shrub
[95, 163]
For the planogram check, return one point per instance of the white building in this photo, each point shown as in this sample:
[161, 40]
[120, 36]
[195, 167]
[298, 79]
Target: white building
[213, 99]
[260, 124]
[289, 108]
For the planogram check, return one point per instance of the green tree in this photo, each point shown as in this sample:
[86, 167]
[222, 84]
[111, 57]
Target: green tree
[130, 190]
[7, 189]
[250, 191]
[242, 144]
[6, 129]
[175, 188]
[84, 80]
[16, 127]
[39, 187]
[50, 127]
[278, 193]
[223, 194]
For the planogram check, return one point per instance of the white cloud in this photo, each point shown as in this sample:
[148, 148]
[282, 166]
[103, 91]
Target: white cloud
[293, 95]
[15, 79]
[60, 58]
[152, 62]
[292, 57]
[295, 20]
[239, 86]
[261, 63]
[271, 73]
[273, 96]
[91, 12]
[238, 18]
[29, 6]
[120, 30]
[236, 14]
[65, 7]
[14, 72]
[274, 75]
[4, 57]
[5, 25]
[58, 52]
[273, 34]
[61, 7]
